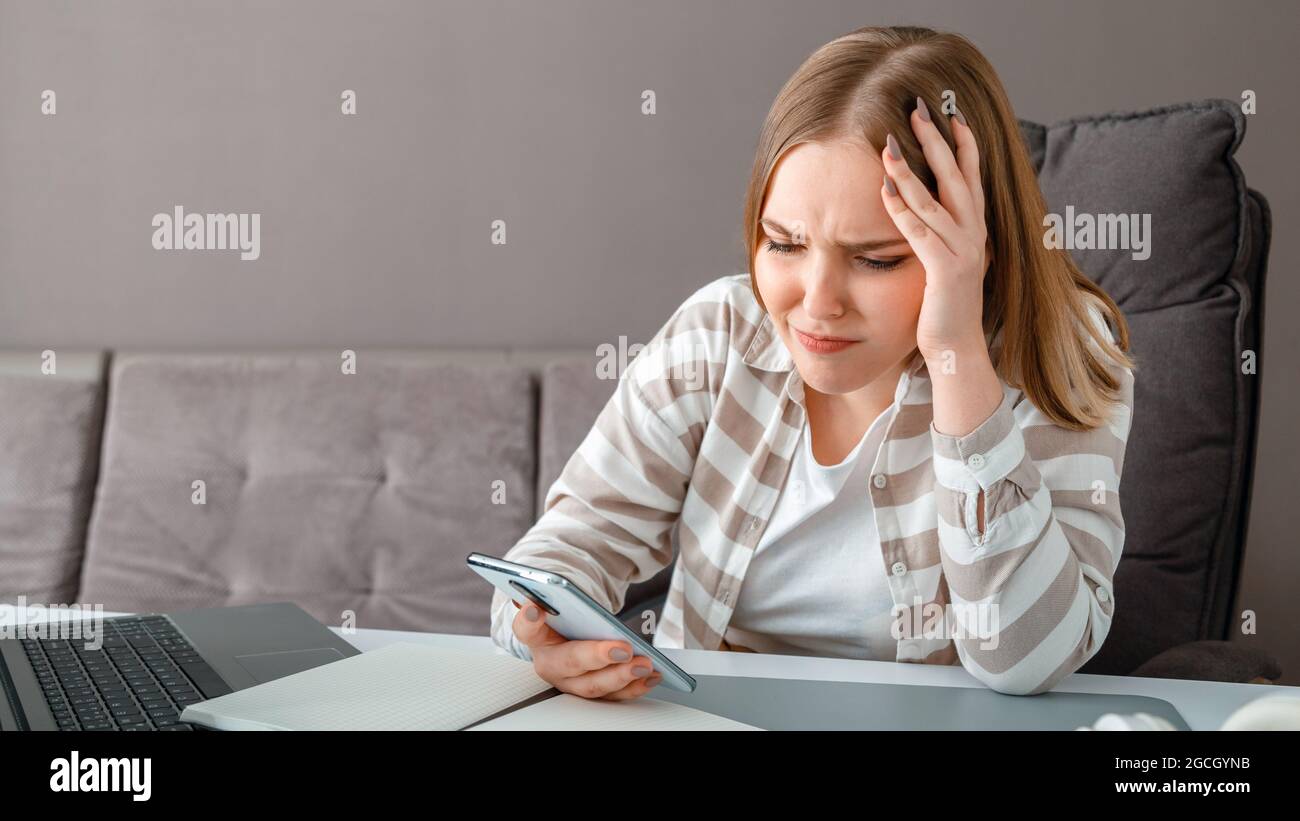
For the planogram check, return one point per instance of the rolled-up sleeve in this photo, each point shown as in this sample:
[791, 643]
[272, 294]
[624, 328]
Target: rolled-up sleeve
[1032, 593]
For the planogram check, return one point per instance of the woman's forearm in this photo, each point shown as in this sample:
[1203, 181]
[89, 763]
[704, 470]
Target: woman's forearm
[966, 392]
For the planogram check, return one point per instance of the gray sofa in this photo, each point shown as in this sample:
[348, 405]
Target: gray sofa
[364, 492]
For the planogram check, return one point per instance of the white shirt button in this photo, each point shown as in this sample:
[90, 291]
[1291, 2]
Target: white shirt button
[976, 461]
[879, 480]
[1102, 595]
[898, 569]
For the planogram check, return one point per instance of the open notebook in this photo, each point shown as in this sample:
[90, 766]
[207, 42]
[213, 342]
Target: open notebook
[406, 686]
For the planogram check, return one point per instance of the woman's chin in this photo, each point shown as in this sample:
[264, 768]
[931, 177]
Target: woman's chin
[833, 380]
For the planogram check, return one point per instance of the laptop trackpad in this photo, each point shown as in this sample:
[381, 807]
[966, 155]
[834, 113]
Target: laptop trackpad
[269, 666]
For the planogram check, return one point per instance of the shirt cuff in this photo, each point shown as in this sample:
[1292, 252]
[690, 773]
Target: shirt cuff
[983, 457]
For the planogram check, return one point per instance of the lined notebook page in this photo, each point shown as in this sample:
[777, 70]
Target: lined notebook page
[402, 686]
[570, 712]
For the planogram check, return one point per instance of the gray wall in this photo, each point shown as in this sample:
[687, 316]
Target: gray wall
[375, 228]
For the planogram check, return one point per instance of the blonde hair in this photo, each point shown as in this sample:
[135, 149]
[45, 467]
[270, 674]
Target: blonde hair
[863, 86]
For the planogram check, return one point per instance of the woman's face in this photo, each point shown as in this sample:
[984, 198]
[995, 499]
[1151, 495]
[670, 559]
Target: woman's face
[840, 267]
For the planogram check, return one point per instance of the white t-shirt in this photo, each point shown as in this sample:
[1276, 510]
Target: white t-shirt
[817, 582]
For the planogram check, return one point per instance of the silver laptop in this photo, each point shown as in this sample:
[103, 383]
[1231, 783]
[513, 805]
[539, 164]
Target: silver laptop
[141, 671]
[789, 704]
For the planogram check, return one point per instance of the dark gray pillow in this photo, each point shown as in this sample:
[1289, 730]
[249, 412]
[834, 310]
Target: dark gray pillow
[1191, 315]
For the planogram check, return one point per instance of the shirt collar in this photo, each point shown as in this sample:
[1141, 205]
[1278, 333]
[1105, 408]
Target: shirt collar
[766, 350]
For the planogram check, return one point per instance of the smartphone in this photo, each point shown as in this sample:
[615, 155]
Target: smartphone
[571, 612]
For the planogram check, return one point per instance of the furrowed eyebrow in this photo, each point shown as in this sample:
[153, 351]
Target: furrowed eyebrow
[851, 247]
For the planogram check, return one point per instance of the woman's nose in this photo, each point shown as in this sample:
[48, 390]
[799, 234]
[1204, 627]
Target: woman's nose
[821, 296]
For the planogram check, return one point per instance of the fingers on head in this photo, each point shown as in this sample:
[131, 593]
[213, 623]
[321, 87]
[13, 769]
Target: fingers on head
[965, 140]
[911, 188]
[938, 155]
[913, 227]
[968, 160]
[950, 173]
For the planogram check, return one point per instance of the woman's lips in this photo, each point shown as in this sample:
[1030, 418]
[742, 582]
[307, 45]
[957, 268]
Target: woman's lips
[817, 344]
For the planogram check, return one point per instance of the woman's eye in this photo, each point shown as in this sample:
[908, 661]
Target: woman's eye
[867, 262]
[881, 264]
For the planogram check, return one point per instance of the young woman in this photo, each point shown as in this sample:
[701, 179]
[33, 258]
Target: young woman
[899, 437]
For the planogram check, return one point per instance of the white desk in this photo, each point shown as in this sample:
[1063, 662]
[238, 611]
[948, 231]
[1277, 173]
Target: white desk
[1205, 705]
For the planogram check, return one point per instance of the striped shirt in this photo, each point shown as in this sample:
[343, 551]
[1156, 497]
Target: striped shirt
[693, 448]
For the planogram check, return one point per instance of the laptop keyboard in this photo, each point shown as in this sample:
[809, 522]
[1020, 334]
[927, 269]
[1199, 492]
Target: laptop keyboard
[140, 679]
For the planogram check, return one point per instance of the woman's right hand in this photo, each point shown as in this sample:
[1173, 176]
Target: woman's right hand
[592, 669]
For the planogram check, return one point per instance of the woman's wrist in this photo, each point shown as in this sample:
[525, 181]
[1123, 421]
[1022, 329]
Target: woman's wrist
[965, 386]
[936, 354]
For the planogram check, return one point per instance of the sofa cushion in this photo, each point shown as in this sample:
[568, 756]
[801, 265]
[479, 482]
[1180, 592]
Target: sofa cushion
[341, 492]
[572, 396]
[49, 449]
[1190, 313]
